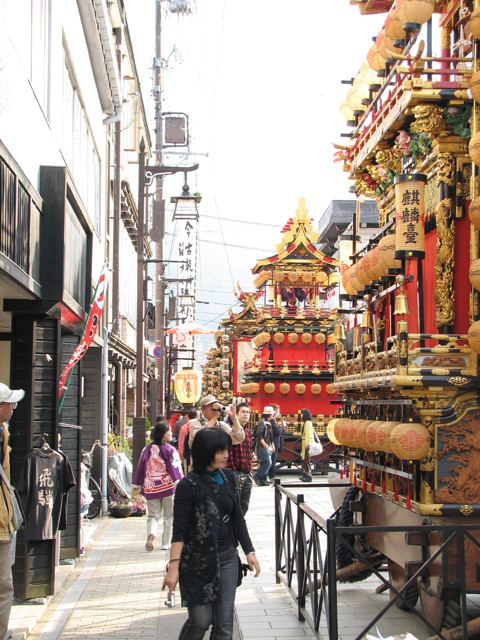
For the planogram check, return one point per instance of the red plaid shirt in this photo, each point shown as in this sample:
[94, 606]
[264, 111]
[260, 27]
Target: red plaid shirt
[240, 457]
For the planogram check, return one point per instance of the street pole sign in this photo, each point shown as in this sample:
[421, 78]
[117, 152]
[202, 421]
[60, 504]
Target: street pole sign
[157, 352]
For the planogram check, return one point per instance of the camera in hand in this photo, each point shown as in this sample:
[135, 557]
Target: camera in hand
[171, 600]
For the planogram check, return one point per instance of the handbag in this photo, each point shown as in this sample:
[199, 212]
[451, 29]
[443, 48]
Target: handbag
[242, 567]
[18, 516]
[315, 448]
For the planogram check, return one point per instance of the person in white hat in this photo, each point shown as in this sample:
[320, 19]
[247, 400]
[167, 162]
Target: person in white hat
[210, 408]
[8, 402]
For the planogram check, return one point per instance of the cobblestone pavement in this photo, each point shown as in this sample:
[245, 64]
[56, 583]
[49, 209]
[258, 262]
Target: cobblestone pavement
[116, 590]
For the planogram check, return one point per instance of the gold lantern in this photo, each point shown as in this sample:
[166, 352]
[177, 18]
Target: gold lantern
[474, 336]
[321, 277]
[279, 276]
[367, 267]
[337, 429]
[376, 263]
[371, 436]
[410, 441]
[387, 251]
[306, 338]
[475, 86]
[383, 43]
[269, 387]
[360, 273]
[474, 148]
[362, 427]
[307, 277]
[474, 212]
[474, 274]
[374, 59]
[316, 388]
[292, 337]
[415, 10]
[278, 337]
[261, 278]
[187, 386]
[261, 339]
[355, 283]
[410, 215]
[320, 338]
[352, 438]
[354, 101]
[293, 277]
[346, 112]
[250, 388]
[330, 389]
[300, 388]
[394, 26]
[475, 23]
[284, 388]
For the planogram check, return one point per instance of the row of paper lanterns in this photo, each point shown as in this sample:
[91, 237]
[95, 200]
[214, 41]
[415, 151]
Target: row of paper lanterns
[407, 441]
[264, 338]
[419, 11]
[374, 264]
[252, 388]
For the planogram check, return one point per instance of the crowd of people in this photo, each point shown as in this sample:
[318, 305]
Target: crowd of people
[196, 476]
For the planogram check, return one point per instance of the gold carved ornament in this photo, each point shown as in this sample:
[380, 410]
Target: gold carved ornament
[466, 510]
[443, 268]
[429, 120]
[458, 381]
[446, 169]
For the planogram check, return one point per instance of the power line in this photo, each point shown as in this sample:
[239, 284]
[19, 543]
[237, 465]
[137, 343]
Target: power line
[263, 224]
[237, 246]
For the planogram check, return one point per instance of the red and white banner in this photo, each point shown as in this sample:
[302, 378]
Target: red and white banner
[89, 331]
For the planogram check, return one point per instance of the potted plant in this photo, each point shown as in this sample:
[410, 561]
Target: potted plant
[120, 507]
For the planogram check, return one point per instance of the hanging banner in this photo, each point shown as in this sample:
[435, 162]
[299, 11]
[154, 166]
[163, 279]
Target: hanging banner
[91, 325]
[185, 251]
[410, 216]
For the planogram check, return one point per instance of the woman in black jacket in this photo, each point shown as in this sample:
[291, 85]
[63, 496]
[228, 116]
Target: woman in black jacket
[203, 556]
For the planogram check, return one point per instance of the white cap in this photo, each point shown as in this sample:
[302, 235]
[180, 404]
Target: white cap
[268, 410]
[7, 395]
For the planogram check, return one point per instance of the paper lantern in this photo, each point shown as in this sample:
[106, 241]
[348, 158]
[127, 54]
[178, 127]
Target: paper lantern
[278, 337]
[261, 278]
[394, 26]
[331, 431]
[345, 431]
[362, 81]
[346, 284]
[474, 336]
[225, 384]
[262, 339]
[352, 438]
[292, 338]
[293, 277]
[306, 338]
[269, 387]
[320, 338]
[410, 215]
[474, 148]
[474, 212]
[475, 23]
[316, 388]
[410, 441]
[337, 429]
[187, 386]
[360, 273]
[300, 388]
[307, 277]
[279, 276]
[374, 59]
[330, 389]
[415, 10]
[475, 86]
[250, 388]
[284, 388]
[346, 112]
[387, 250]
[383, 436]
[321, 277]
[376, 263]
[367, 267]
[355, 283]
[362, 427]
[371, 436]
[354, 101]
[384, 44]
[474, 274]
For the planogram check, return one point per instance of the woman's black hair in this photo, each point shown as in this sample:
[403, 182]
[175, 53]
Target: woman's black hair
[206, 443]
[306, 415]
[158, 432]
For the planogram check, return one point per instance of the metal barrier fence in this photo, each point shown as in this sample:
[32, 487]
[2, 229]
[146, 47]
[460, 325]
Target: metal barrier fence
[306, 571]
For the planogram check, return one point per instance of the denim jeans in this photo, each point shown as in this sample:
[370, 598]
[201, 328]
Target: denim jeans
[244, 489]
[220, 612]
[265, 464]
[271, 471]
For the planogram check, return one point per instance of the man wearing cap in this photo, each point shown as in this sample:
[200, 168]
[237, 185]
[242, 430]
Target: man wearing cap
[265, 446]
[210, 407]
[8, 402]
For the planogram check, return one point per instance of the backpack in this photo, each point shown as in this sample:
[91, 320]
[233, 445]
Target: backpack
[253, 435]
[187, 453]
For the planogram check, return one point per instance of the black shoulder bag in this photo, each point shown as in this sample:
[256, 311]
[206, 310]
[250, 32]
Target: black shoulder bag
[242, 567]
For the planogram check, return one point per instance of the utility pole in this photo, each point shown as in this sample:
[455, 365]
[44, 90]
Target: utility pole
[159, 205]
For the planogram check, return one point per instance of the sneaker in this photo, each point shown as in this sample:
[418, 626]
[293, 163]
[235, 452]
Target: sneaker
[149, 543]
[257, 482]
[306, 478]
[166, 547]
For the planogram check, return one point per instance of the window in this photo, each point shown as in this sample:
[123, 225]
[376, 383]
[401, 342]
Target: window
[79, 148]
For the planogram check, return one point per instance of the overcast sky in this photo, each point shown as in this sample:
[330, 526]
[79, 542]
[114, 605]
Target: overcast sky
[261, 83]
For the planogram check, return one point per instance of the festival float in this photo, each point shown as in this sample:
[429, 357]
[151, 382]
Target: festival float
[279, 348]
[409, 427]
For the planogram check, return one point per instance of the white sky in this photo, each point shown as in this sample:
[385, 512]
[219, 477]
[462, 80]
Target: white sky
[261, 84]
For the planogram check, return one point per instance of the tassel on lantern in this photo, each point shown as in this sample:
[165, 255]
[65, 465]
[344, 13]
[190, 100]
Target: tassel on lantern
[364, 484]
[347, 470]
[408, 501]
[341, 472]
[395, 494]
[384, 486]
[372, 484]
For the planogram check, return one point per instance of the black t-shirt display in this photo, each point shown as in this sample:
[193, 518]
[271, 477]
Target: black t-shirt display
[46, 477]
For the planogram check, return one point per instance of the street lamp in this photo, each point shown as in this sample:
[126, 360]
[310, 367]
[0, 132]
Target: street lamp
[186, 300]
[186, 204]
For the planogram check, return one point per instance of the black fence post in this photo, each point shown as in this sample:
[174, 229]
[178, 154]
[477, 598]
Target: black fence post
[332, 581]
[300, 558]
[278, 531]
